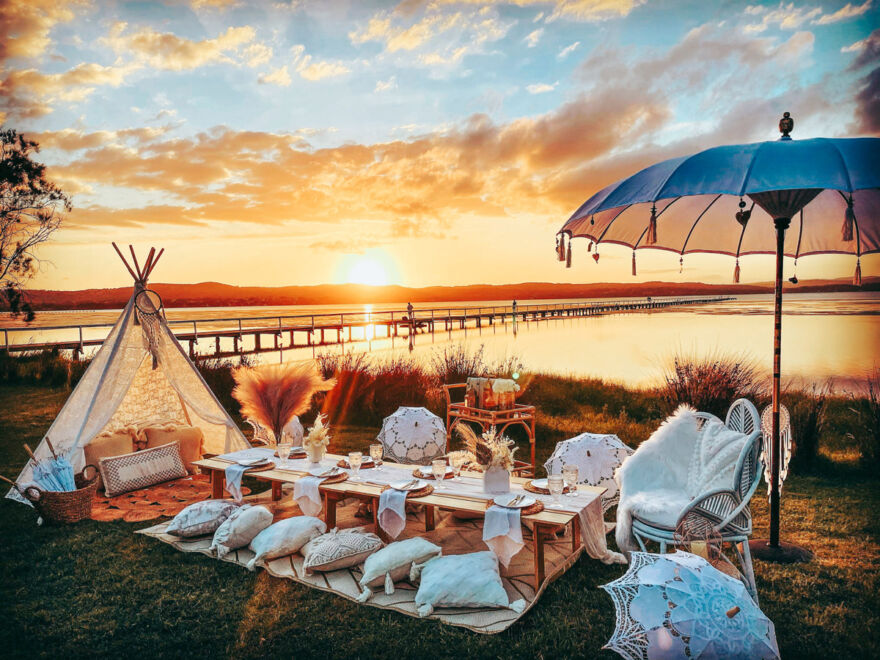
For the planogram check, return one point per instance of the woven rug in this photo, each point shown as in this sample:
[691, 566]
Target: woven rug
[167, 499]
[453, 535]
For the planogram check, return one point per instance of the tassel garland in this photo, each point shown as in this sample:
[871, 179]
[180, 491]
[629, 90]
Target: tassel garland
[568, 256]
[651, 238]
[849, 220]
[857, 277]
[736, 273]
[634, 263]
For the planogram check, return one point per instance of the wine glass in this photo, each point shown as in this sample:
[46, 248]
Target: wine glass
[570, 474]
[376, 453]
[284, 448]
[456, 460]
[555, 483]
[354, 462]
[438, 467]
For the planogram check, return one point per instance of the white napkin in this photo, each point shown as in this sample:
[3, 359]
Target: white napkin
[502, 532]
[392, 511]
[233, 480]
[307, 496]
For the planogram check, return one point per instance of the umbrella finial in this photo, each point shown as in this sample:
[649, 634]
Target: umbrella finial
[786, 126]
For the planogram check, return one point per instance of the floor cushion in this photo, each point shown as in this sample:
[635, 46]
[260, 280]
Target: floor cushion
[470, 580]
[284, 538]
[393, 563]
[339, 549]
[141, 469]
[106, 445]
[191, 441]
[240, 528]
[201, 518]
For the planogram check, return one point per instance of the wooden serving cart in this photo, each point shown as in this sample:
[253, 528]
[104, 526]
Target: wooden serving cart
[500, 418]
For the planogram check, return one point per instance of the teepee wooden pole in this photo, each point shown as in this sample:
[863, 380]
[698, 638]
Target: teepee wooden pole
[137, 266]
[158, 256]
[124, 261]
[148, 266]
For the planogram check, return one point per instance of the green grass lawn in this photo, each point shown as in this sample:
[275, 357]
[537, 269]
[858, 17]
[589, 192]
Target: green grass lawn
[97, 589]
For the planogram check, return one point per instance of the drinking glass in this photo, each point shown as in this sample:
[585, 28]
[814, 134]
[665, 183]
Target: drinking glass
[555, 483]
[438, 467]
[354, 462]
[570, 474]
[284, 452]
[456, 461]
[376, 453]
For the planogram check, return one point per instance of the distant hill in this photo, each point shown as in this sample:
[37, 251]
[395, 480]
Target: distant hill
[215, 294]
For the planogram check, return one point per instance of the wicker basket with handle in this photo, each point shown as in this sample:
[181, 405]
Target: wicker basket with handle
[66, 506]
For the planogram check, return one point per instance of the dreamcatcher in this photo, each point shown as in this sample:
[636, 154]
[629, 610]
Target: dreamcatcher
[785, 441]
[148, 310]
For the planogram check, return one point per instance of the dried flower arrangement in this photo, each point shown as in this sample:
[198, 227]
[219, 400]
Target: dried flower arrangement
[318, 436]
[490, 449]
[273, 394]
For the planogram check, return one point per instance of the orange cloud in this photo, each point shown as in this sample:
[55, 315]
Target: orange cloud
[164, 50]
[25, 25]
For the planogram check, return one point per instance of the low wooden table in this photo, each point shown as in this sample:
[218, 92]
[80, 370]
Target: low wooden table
[545, 524]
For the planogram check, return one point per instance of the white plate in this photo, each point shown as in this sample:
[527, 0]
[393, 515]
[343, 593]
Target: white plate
[323, 471]
[253, 462]
[399, 485]
[540, 483]
[504, 500]
[428, 471]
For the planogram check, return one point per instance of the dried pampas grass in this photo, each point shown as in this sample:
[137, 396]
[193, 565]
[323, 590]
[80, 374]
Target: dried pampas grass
[274, 394]
[490, 449]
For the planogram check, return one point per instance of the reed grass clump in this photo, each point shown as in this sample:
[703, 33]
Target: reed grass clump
[866, 410]
[43, 368]
[710, 383]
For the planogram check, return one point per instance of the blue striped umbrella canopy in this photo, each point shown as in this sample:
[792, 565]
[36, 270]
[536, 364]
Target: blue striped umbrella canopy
[786, 197]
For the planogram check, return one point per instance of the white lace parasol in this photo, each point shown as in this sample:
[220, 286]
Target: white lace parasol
[679, 606]
[597, 457]
[414, 436]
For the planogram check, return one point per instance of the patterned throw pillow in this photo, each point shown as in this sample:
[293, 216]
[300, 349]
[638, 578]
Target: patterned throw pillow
[339, 549]
[141, 469]
[201, 518]
[111, 443]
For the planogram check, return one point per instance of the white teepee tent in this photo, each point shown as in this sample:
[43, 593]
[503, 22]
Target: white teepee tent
[140, 375]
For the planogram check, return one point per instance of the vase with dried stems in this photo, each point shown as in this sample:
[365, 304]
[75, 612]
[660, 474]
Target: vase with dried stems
[273, 394]
[494, 453]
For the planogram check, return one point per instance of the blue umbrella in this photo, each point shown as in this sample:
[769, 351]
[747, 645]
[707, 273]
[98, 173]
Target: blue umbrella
[62, 469]
[43, 474]
[742, 199]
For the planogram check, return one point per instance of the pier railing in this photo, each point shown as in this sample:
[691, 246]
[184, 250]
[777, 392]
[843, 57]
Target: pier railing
[313, 329]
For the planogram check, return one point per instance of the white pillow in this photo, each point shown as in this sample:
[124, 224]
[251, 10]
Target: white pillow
[393, 562]
[284, 538]
[470, 580]
[339, 549]
[201, 518]
[239, 529]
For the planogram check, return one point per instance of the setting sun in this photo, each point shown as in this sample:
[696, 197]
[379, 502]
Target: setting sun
[371, 269]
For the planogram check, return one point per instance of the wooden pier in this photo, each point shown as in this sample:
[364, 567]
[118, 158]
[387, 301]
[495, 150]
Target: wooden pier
[226, 336]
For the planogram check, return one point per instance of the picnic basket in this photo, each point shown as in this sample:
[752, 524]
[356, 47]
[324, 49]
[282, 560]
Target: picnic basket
[61, 507]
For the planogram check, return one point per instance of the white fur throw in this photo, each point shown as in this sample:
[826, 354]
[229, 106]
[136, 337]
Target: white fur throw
[671, 468]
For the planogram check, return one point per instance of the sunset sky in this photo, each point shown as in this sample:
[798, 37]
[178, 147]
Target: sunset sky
[417, 143]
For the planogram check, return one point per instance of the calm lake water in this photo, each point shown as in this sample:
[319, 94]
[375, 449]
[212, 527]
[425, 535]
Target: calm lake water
[825, 336]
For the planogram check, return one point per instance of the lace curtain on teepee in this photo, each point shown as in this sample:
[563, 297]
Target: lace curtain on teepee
[149, 400]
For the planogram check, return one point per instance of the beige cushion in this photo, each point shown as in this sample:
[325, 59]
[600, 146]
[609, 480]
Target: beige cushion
[190, 438]
[200, 518]
[284, 538]
[240, 528]
[141, 469]
[115, 443]
[339, 549]
[393, 563]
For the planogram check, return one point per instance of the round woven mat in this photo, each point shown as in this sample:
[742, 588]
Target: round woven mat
[167, 499]
[418, 474]
[366, 465]
[421, 492]
[260, 468]
[537, 507]
[541, 491]
[335, 479]
[293, 454]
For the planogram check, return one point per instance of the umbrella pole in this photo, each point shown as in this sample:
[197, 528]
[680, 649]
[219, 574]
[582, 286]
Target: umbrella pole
[773, 549]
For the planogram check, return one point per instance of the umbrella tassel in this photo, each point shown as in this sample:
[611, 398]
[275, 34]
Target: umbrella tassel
[596, 255]
[634, 263]
[680, 265]
[568, 255]
[651, 238]
[849, 219]
[590, 247]
[857, 276]
[736, 273]
[560, 247]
